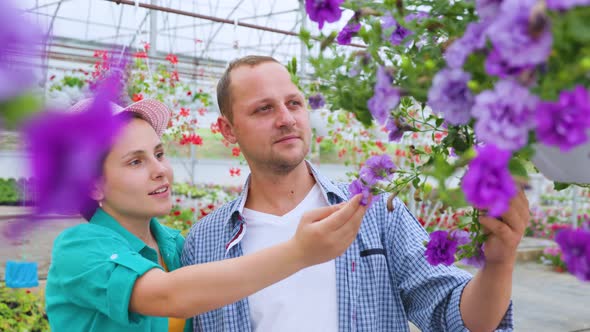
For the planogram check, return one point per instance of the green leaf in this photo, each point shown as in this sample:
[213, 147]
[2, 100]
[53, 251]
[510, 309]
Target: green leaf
[416, 183]
[559, 186]
[453, 197]
[305, 37]
[14, 111]
[442, 169]
[517, 168]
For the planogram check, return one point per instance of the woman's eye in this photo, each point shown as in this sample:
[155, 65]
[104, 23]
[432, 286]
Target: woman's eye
[295, 102]
[160, 155]
[135, 162]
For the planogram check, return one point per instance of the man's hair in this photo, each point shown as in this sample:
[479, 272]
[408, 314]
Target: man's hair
[223, 86]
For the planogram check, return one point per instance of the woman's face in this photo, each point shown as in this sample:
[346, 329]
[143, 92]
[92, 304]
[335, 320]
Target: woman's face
[137, 177]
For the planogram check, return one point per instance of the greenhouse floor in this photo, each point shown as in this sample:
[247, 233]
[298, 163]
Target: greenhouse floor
[543, 300]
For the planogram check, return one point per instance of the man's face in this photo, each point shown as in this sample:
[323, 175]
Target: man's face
[270, 119]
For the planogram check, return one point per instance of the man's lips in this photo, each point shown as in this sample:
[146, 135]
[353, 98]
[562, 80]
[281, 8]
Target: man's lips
[287, 138]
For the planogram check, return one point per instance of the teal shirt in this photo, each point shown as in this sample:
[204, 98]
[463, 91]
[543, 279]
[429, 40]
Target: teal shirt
[93, 269]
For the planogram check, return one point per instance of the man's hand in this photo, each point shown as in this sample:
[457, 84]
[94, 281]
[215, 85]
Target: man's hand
[505, 235]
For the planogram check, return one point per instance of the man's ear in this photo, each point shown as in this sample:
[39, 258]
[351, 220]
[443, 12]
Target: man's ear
[226, 129]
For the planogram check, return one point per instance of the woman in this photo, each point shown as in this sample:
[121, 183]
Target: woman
[121, 271]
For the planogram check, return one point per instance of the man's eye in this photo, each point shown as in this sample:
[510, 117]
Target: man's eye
[264, 108]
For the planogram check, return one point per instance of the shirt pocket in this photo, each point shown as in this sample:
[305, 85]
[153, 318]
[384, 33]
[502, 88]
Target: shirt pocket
[376, 295]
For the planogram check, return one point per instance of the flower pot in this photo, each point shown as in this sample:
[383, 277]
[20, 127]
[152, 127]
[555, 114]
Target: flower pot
[21, 274]
[568, 167]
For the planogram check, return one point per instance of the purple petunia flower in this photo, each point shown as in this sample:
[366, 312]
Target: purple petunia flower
[463, 238]
[316, 101]
[450, 95]
[385, 97]
[399, 32]
[497, 66]
[566, 122]
[396, 127]
[487, 8]
[474, 38]
[361, 59]
[441, 248]
[575, 245]
[20, 43]
[350, 30]
[487, 183]
[357, 187]
[322, 11]
[377, 168]
[504, 115]
[416, 16]
[512, 34]
[66, 150]
[565, 4]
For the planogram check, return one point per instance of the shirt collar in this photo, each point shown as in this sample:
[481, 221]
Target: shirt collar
[326, 185]
[162, 234]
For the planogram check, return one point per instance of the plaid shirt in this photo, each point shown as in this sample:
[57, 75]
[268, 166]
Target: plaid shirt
[383, 279]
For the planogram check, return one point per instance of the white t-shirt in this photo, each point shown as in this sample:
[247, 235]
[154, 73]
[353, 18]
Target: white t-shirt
[306, 301]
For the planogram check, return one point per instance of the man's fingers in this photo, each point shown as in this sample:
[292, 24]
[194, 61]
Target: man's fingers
[515, 217]
[342, 216]
[323, 212]
[525, 210]
[354, 222]
[495, 226]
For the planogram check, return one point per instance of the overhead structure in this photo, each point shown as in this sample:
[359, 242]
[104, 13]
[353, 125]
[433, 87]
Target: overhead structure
[204, 35]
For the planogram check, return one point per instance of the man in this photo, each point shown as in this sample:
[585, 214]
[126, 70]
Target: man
[381, 281]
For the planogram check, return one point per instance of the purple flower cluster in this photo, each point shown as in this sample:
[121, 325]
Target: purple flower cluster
[316, 101]
[463, 239]
[398, 32]
[66, 149]
[357, 187]
[20, 41]
[322, 11]
[450, 96]
[565, 4]
[575, 245]
[515, 42]
[487, 8]
[350, 30]
[396, 127]
[495, 65]
[375, 169]
[518, 30]
[566, 122]
[474, 38]
[444, 245]
[505, 115]
[385, 96]
[488, 184]
[441, 248]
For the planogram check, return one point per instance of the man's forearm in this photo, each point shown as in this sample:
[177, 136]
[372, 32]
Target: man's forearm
[486, 297]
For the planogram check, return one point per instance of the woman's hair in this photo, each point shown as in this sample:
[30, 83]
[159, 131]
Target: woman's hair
[89, 205]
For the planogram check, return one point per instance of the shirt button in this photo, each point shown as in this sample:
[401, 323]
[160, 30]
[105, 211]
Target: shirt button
[114, 256]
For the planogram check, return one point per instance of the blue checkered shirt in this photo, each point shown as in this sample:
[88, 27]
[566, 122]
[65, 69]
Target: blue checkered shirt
[383, 279]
